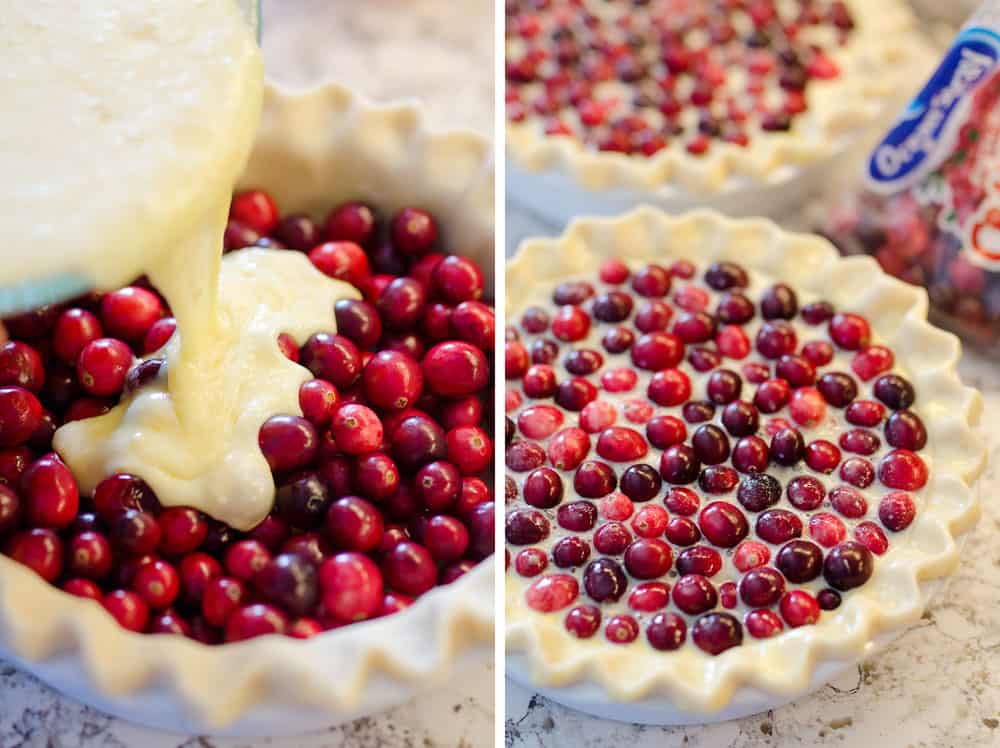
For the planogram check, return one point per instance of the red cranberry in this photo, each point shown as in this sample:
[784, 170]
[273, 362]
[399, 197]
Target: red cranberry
[88, 555]
[679, 465]
[694, 327]
[666, 631]
[772, 395]
[699, 559]
[535, 320]
[799, 608]
[255, 620]
[723, 524]
[121, 491]
[618, 340]
[649, 597]
[710, 444]
[665, 431]
[871, 537]
[611, 538]
[657, 350]
[523, 456]
[735, 309]
[857, 471]
[787, 446]
[723, 386]
[256, 209]
[583, 621]
[458, 279]
[129, 312]
[763, 624]
[872, 361]
[183, 530]
[896, 510]
[651, 281]
[648, 558]
[850, 331]
[837, 388]
[289, 442]
[799, 560]
[572, 292]
[694, 594]
[577, 516]
[103, 365]
[905, 430]
[865, 413]
[822, 456]
[613, 271]
[334, 358]
[454, 369]
[128, 608]
[21, 365]
[351, 584]
[698, 411]
[621, 629]
[818, 352]
[297, 231]
[531, 562]
[40, 550]
[245, 558]
[751, 455]
[860, 442]
[51, 497]
[732, 342]
[805, 493]
[828, 599]
[351, 222]
[437, 485]
[358, 321]
[570, 552]
[526, 527]
[414, 231]
[158, 583]
[778, 526]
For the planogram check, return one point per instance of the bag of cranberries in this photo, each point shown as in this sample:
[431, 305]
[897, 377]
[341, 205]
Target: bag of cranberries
[928, 206]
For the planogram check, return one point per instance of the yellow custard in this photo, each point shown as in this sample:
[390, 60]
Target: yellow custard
[124, 130]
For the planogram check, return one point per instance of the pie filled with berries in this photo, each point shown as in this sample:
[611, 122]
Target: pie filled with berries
[379, 492]
[646, 93]
[722, 441]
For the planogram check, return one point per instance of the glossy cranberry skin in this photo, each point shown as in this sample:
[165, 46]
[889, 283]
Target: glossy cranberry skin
[895, 391]
[353, 222]
[21, 365]
[761, 587]
[860, 441]
[583, 621]
[665, 431]
[849, 331]
[817, 312]
[245, 558]
[612, 306]
[725, 275]
[669, 387]
[103, 365]
[359, 321]
[776, 339]
[694, 594]
[158, 583]
[334, 358]
[455, 369]
[865, 413]
[799, 560]
[183, 530]
[255, 620]
[651, 281]
[604, 580]
[535, 320]
[655, 351]
[778, 526]
[837, 388]
[779, 302]
[458, 279]
[356, 429]
[847, 566]
[787, 447]
[799, 608]
[121, 491]
[612, 538]
[723, 524]
[577, 516]
[772, 395]
[763, 624]
[710, 444]
[723, 386]
[409, 568]
[857, 471]
[288, 442]
[51, 498]
[20, 415]
[128, 608]
[905, 430]
[648, 558]
[617, 340]
[666, 631]
[640, 482]
[740, 418]
[735, 309]
[679, 465]
[551, 593]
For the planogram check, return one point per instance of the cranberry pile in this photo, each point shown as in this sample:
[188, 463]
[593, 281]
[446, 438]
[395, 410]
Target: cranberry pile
[700, 453]
[928, 234]
[380, 492]
[634, 76]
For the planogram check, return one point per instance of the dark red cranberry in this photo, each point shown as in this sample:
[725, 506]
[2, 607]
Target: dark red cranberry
[779, 302]
[353, 222]
[657, 350]
[698, 411]
[651, 281]
[640, 483]
[680, 465]
[828, 599]
[837, 388]
[905, 430]
[577, 516]
[572, 292]
[723, 524]
[543, 351]
[604, 580]
[594, 479]
[21, 365]
[805, 493]
[583, 362]
[458, 279]
[710, 444]
[761, 587]
[735, 309]
[648, 558]
[297, 231]
[772, 395]
[787, 447]
[665, 431]
[288, 581]
[49, 491]
[288, 442]
[800, 561]
[751, 455]
[583, 621]
[858, 472]
[334, 358]
[775, 339]
[182, 530]
[699, 559]
[757, 492]
[526, 527]
[723, 386]
[694, 327]
[618, 340]
[573, 394]
[725, 275]
[895, 391]
[666, 631]
[847, 566]
[849, 331]
[694, 594]
[740, 418]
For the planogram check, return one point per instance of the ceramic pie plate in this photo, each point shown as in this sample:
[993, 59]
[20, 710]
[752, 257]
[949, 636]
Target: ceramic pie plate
[557, 178]
[313, 149]
[636, 683]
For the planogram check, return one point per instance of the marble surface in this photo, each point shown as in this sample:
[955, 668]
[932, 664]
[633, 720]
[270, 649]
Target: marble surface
[936, 686]
[387, 49]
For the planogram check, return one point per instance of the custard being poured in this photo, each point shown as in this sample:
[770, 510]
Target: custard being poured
[124, 130]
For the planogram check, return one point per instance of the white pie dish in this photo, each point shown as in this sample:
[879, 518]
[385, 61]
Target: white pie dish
[313, 149]
[557, 178]
[638, 683]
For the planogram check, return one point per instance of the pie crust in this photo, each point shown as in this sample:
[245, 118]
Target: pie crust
[883, 60]
[313, 149]
[784, 664]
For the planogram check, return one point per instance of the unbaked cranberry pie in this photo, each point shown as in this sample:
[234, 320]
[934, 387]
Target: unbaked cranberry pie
[695, 91]
[719, 437]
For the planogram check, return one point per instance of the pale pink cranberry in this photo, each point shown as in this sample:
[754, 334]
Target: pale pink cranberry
[669, 387]
[539, 421]
[616, 506]
[650, 521]
[763, 623]
[732, 342]
[849, 331]
[619, 380]
[871, 537]
[750, 554]
[807, 406]
[896, 510]
[638, 411]
[552, 592]
[826, 529]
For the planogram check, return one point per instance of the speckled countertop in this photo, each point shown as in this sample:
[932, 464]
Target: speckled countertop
[386, 49]
[937, 686]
